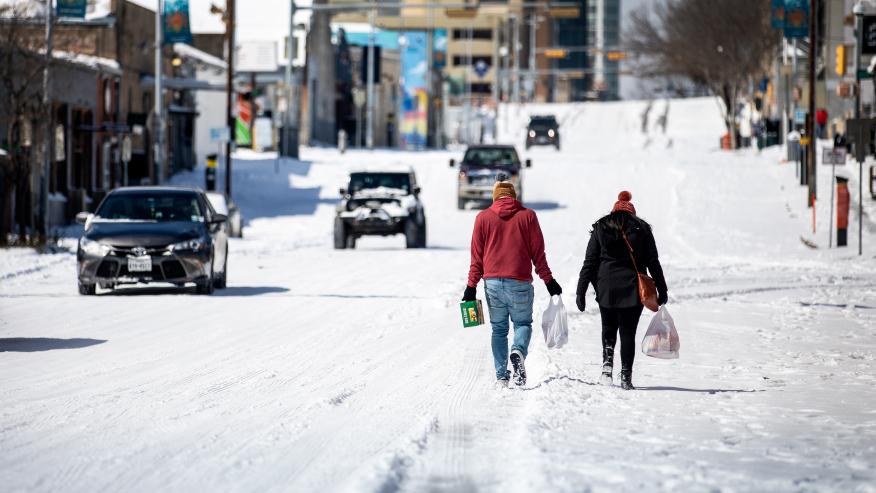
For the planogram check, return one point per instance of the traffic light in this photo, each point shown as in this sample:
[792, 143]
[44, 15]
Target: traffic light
[840, 60]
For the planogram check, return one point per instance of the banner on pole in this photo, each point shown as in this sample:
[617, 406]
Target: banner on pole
[777, 11]
[796, 18]
[415, 102]
[177, 28]
[71, 8]
[439, 49]
[868, 24]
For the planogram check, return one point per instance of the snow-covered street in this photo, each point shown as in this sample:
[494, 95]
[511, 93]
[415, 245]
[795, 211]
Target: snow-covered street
[348, 370]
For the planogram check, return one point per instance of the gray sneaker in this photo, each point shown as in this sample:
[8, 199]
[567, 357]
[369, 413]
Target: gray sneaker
[519, 368]
[502, 383]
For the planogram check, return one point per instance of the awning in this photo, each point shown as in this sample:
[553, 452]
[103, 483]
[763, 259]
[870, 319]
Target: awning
[182, 84]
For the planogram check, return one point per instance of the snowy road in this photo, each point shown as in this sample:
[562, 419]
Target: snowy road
[322, 370]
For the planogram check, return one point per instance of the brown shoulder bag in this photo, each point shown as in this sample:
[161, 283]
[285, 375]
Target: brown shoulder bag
[647, 288]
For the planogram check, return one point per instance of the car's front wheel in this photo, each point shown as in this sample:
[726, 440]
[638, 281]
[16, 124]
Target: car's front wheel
[87, 289]
[340, 234]
[415, 233]
[207, 285]
[222, 281]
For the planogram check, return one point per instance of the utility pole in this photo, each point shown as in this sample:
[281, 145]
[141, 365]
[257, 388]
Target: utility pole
[229, 96]
[810, 120]
[369, 116]
[533, 22]
[290, 130]
[515, 97]
[158, 154]
[859, 40]
[49, 134]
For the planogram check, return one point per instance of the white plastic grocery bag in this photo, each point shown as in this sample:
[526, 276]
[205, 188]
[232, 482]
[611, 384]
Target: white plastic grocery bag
[661, 340]
[554, 323]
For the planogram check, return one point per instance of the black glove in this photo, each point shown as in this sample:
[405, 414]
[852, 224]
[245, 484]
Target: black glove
[470, 294]
[554, 288]
[662, 298]
[579, 300]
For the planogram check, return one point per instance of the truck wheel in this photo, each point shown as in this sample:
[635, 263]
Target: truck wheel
[87, 289]
[460, 203]
[340, 234]
[412, 233]
[421, 237]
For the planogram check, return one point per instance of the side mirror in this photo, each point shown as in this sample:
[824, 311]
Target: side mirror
[83, 217]
[453, 163]
[417, 190]
[219, 219]
[529, 163]
[342, 191]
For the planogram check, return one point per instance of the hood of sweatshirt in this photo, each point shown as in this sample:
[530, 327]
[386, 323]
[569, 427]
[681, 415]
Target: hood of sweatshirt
[506, 207]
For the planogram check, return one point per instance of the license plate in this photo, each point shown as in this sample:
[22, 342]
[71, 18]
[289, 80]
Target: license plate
[140, 264]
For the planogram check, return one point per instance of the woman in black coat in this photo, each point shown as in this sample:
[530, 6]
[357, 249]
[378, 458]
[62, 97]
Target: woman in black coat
[608, 266]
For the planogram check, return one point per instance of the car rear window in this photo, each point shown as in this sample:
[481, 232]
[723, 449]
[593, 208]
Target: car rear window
[493, 157]
[152, 206]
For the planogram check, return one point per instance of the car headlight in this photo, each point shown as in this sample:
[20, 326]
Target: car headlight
[551, 133]
[462, 176]
[532, 133]
[92, 247]
[195, 245]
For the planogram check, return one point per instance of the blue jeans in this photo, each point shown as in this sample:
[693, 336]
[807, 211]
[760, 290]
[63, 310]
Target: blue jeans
[509, 298]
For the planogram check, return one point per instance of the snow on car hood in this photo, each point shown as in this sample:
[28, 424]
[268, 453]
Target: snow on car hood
[380, 192]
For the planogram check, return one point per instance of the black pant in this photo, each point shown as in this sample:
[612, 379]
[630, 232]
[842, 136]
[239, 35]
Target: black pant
[624, 320]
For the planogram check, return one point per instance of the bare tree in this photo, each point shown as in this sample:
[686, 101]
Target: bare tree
[21, 108]
[721, 44]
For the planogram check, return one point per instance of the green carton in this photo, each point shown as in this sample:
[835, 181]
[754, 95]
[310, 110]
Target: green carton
[472, 313]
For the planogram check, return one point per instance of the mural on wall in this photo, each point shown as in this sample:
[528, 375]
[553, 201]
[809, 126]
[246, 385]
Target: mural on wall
[415, 102]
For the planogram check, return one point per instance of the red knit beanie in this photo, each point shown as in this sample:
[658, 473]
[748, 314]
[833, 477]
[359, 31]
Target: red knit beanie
[623, 203]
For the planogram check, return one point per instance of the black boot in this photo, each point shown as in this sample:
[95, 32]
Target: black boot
[627, 380]
[607, 366]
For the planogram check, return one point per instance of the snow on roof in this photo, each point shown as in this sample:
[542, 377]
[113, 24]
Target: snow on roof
[382, 168]
[88, 61]
[201, 56]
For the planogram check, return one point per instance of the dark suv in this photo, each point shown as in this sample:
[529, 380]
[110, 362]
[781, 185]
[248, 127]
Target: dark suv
[480, 168]
[153, 234]
[543, 130]
[380, 202]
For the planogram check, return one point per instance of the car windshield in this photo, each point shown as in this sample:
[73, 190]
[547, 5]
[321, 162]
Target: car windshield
[365, 181]
[217, 200]
[151, 206]
[499, 157]
[543, 121]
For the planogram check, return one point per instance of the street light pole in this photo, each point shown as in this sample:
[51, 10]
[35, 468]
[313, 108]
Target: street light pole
[369, 117]
[859, 37]
[813, 51]
[47, 138]
[158, 154]
[290, 131]
[533, 22]
[229, 96]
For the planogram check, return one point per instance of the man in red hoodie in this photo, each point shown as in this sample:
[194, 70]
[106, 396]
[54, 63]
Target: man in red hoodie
[505, 244]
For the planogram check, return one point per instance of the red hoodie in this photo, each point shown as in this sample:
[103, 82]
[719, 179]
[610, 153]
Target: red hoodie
[506, 242]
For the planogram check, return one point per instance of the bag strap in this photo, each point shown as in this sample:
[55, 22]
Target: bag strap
[630, 248]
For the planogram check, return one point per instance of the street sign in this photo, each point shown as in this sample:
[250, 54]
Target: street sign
[555, 53]
[614, 56]
[219, 134]
[481, 68]
[359, 97]
[126, 149]
[835, 156]
[777, 10]
[800, 116]
[860, 132]
[72, 8]
[796, 18]
[868, 23]
[256, 56]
